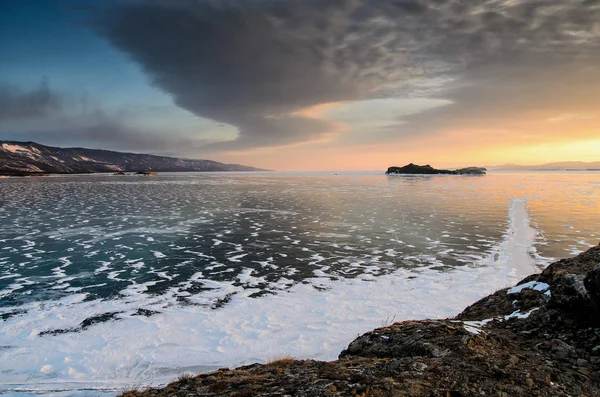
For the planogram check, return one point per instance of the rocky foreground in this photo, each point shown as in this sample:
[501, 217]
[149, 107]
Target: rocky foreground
[540, 338]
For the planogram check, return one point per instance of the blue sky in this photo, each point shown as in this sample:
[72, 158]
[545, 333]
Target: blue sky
[50, 38]
[53, 40]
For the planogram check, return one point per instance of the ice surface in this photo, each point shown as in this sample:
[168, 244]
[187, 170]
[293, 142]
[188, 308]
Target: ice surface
[221, 271]
[305, 322]
[518, 242]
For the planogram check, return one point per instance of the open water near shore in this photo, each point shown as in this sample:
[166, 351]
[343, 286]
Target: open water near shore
[112, 281]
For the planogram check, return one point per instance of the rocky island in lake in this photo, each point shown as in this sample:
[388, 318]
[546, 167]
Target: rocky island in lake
[429, 170]
[539, 338]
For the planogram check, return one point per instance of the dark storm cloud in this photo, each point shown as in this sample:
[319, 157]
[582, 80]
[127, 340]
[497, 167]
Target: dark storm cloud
[517, 98]
[252, 63]
[110, 133]
[514, 94]
[48, 116]
[16, 103]
[97, 128]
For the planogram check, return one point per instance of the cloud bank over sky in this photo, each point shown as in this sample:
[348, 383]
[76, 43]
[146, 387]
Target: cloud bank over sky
[46, 114]
[16, 104]
[249, 75]
[253, 64]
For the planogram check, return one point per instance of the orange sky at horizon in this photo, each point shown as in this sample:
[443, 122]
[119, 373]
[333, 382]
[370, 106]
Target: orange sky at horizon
[360, 158]
[525, 142]
[308, 85]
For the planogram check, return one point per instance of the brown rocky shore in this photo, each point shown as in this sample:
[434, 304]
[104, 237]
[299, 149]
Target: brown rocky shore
[540, 338]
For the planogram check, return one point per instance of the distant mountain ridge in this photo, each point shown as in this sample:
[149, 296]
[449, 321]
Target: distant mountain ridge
[30, 158]
[558, 166]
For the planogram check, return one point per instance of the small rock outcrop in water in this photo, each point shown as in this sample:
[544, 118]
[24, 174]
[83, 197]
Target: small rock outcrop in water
[539, 338]
[429, 170]
[471, 171]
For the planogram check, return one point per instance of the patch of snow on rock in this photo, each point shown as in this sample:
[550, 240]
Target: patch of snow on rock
[534, 285]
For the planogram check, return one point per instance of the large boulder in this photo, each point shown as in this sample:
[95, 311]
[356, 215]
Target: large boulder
[591, 283]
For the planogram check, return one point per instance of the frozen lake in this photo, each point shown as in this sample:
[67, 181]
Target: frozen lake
[113, 281]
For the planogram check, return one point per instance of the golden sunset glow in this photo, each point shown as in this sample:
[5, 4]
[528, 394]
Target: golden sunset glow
[317, 112]
[357, 90]
[456, 148]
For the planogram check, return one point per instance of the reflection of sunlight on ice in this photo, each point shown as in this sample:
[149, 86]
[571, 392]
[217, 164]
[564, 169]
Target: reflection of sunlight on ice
[517, 250]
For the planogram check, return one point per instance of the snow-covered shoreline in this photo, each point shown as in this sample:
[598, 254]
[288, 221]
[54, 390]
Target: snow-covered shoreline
[305, 322]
